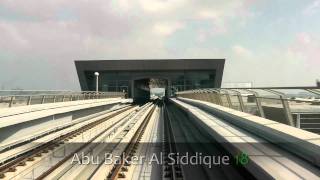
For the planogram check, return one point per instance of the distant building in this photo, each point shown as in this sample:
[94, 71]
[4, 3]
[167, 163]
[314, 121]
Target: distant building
[134, 76]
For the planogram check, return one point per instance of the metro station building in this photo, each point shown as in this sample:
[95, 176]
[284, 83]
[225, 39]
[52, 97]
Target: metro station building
[132, 76]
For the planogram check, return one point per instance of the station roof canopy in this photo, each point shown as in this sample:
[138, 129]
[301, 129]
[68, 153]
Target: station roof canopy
[149, 65]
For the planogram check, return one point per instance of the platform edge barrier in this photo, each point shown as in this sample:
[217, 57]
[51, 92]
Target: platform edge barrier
[299, 146]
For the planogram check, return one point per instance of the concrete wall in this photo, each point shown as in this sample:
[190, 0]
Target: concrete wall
[59, 120]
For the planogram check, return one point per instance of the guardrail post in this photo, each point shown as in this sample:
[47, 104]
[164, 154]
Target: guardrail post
[285, 104]
[29, 100]
[11, 101]
[208, 98]
[258, 102]
[54, 99]
[63, 98]
[259, 106]
[287, 111]
[298, 121]
[194, 96]
[42, 100]
[215, 98]
[211, 97]
[198, 95]
[202, 96]
[241, 103]
[229, 100]
[219, 98]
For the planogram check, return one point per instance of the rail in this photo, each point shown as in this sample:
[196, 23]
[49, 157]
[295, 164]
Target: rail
[11, 164]
[275, 103]
[130, 148]
[22, 98]
[171, 170]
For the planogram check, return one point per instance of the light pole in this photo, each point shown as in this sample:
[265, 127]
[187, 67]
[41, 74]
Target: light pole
[97, 81]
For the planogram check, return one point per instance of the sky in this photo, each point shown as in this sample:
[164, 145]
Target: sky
[266, 42]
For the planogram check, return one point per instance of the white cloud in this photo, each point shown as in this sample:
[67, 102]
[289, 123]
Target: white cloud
[304, 38]
[167, 28]
[306, 46]
[160, 6]
[123, 4]
[312, 8]
[208, 14]
[242, 51]
[11, 38]
[222, 15]
[120, 29]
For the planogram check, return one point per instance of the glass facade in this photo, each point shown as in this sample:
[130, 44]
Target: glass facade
[177, 80]
[193, 80]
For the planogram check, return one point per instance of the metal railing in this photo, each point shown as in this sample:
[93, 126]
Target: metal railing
[27, 97]
[309, 121]
[277, 103]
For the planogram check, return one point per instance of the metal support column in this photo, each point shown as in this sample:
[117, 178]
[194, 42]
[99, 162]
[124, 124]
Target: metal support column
[298, 121]
[285, 105]
[218, 97]
[29, 100]
[258, 103]
[11, 101]
[228, 99]
[287, 111]
[241, 103]
[43, 98]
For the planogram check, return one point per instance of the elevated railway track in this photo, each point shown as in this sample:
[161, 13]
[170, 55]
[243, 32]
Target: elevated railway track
[167, 134]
